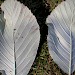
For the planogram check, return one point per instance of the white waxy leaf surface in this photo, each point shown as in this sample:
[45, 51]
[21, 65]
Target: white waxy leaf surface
[61, 35]
[19, 38]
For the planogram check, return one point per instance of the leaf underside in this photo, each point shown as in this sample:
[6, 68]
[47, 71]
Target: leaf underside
[19, 38]
[61, 35]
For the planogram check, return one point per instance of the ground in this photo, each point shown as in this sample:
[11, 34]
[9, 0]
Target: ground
[44, 64]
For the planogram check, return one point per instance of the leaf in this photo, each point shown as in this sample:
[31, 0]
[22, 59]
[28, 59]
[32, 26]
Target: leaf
[61, 35]
[20, 39]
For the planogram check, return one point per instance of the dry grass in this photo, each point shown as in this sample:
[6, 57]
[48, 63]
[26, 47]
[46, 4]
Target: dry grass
[44, 64]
